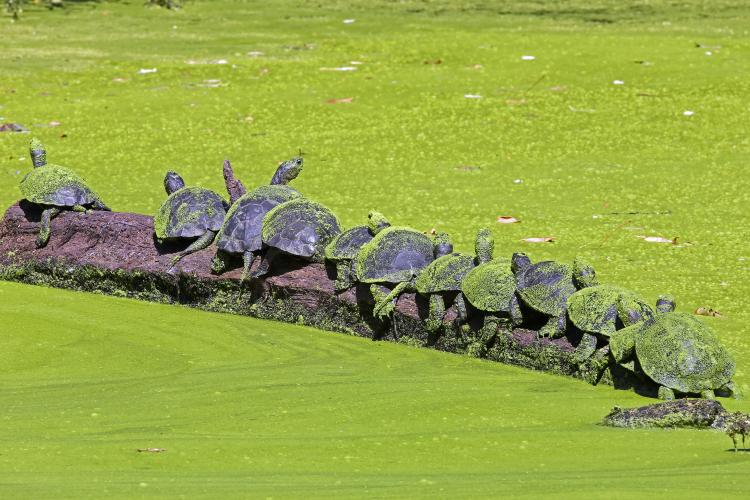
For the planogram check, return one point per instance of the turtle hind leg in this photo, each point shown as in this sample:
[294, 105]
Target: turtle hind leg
[99, 205]
[219, 262]
[343, 276]
[199, 244]
[385, 307]
[247, 262]
[265, 263]
[437, 311]
[708, 394]
[554, 328]
[666, 393]
[44, 229]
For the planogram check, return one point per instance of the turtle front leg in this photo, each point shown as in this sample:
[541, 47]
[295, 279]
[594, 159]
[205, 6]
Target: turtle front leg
[437, 311]
[44, 229]
[199, 244]
[247, 262]
[586, 347]
[385, 306]
[99, 205]
[79, 208]
[708, 394]
[460, 304]
[219, 263]
[666, 393]
[265, 263]
[554, 328]
[343, 276]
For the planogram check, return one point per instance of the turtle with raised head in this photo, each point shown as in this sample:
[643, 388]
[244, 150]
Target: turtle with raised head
[677, 351]
[241, 232]
[299, 227]
[546, 286]
[442, 278]
[343, 249]
[395, 256]
[54, 189]
[188, 213]
[490, 288]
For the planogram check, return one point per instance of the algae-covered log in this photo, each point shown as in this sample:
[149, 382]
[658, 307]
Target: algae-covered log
[116, 254]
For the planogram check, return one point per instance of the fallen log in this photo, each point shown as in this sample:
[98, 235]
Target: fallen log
[116, 253]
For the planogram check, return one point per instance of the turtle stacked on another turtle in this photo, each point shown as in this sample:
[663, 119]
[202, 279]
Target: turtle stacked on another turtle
[240, 233]
[188, 213]
[54, 189]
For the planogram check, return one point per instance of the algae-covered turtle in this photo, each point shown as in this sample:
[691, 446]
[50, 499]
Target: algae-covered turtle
[395, 256]
[188, 213]
[545, 287]
[343, 249]
[677, 351]
[603, 309]
[442, 277]
[490, 288]
[298, 227]
[55, 188]
[241, 232]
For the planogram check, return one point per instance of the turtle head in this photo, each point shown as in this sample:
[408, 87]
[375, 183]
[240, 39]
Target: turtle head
[287, 171]
[519, 261]
[377, 222]
[38, 153]
[443, 245]
[484, 246]
[665, 304]
[173, 182]
[583, 274]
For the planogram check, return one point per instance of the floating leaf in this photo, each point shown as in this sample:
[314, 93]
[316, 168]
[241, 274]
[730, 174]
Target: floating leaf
[434, 61]
[708, 311]
[343, 100]
[545, 239]
[468, 168]
[151, 450]
[528, 58]
[341, 68]
[145, 71]
[507, 219]
[472, 96]
[659, 239]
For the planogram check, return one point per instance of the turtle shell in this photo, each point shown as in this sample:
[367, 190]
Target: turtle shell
[346, 245]
[596, 309]
[490, 287]
[189, 212]
[681, 352]
[394, 255]
[56, 185]
[445, 273]
[300, 227]
[243, 224]
[546, 286]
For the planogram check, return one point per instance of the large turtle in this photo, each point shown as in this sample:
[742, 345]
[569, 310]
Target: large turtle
[545, 287]
[442, 277]
[395, 256]
[54, 189]
[241, 232]
[298, 227]
[490, 289]
[343, 249]
[677, 351]
[188, 213]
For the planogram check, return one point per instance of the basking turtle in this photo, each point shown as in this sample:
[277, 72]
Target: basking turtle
[54, 189]
[343, 249]
[602, 309]
[297, 227]
[490, 288]
[546, 286]
[241, 232]
[188, 213]
[677, 351]
[395, 256]
[443, 276]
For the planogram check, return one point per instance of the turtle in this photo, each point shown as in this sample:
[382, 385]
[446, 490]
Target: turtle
[490, 288]
[395, 256]
[443, 276]
[241, 232]
[298, 227]
[54, 189]
[188, 213]
[677, 351]
[545, 287]
[343, 249]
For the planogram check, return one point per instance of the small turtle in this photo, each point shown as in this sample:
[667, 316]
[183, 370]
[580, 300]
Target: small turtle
[299, 227]
[395, 256]
[442, 277]
[545, 288]
[188, 213]
[677, 351]
[54, 189]
[343, 249]
[241, 231]
[490, 288]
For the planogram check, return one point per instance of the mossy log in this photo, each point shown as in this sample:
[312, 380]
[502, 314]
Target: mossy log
[682, 413]
[116, 253]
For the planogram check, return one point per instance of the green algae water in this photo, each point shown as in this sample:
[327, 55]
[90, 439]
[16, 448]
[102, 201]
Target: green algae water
[607, 126]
